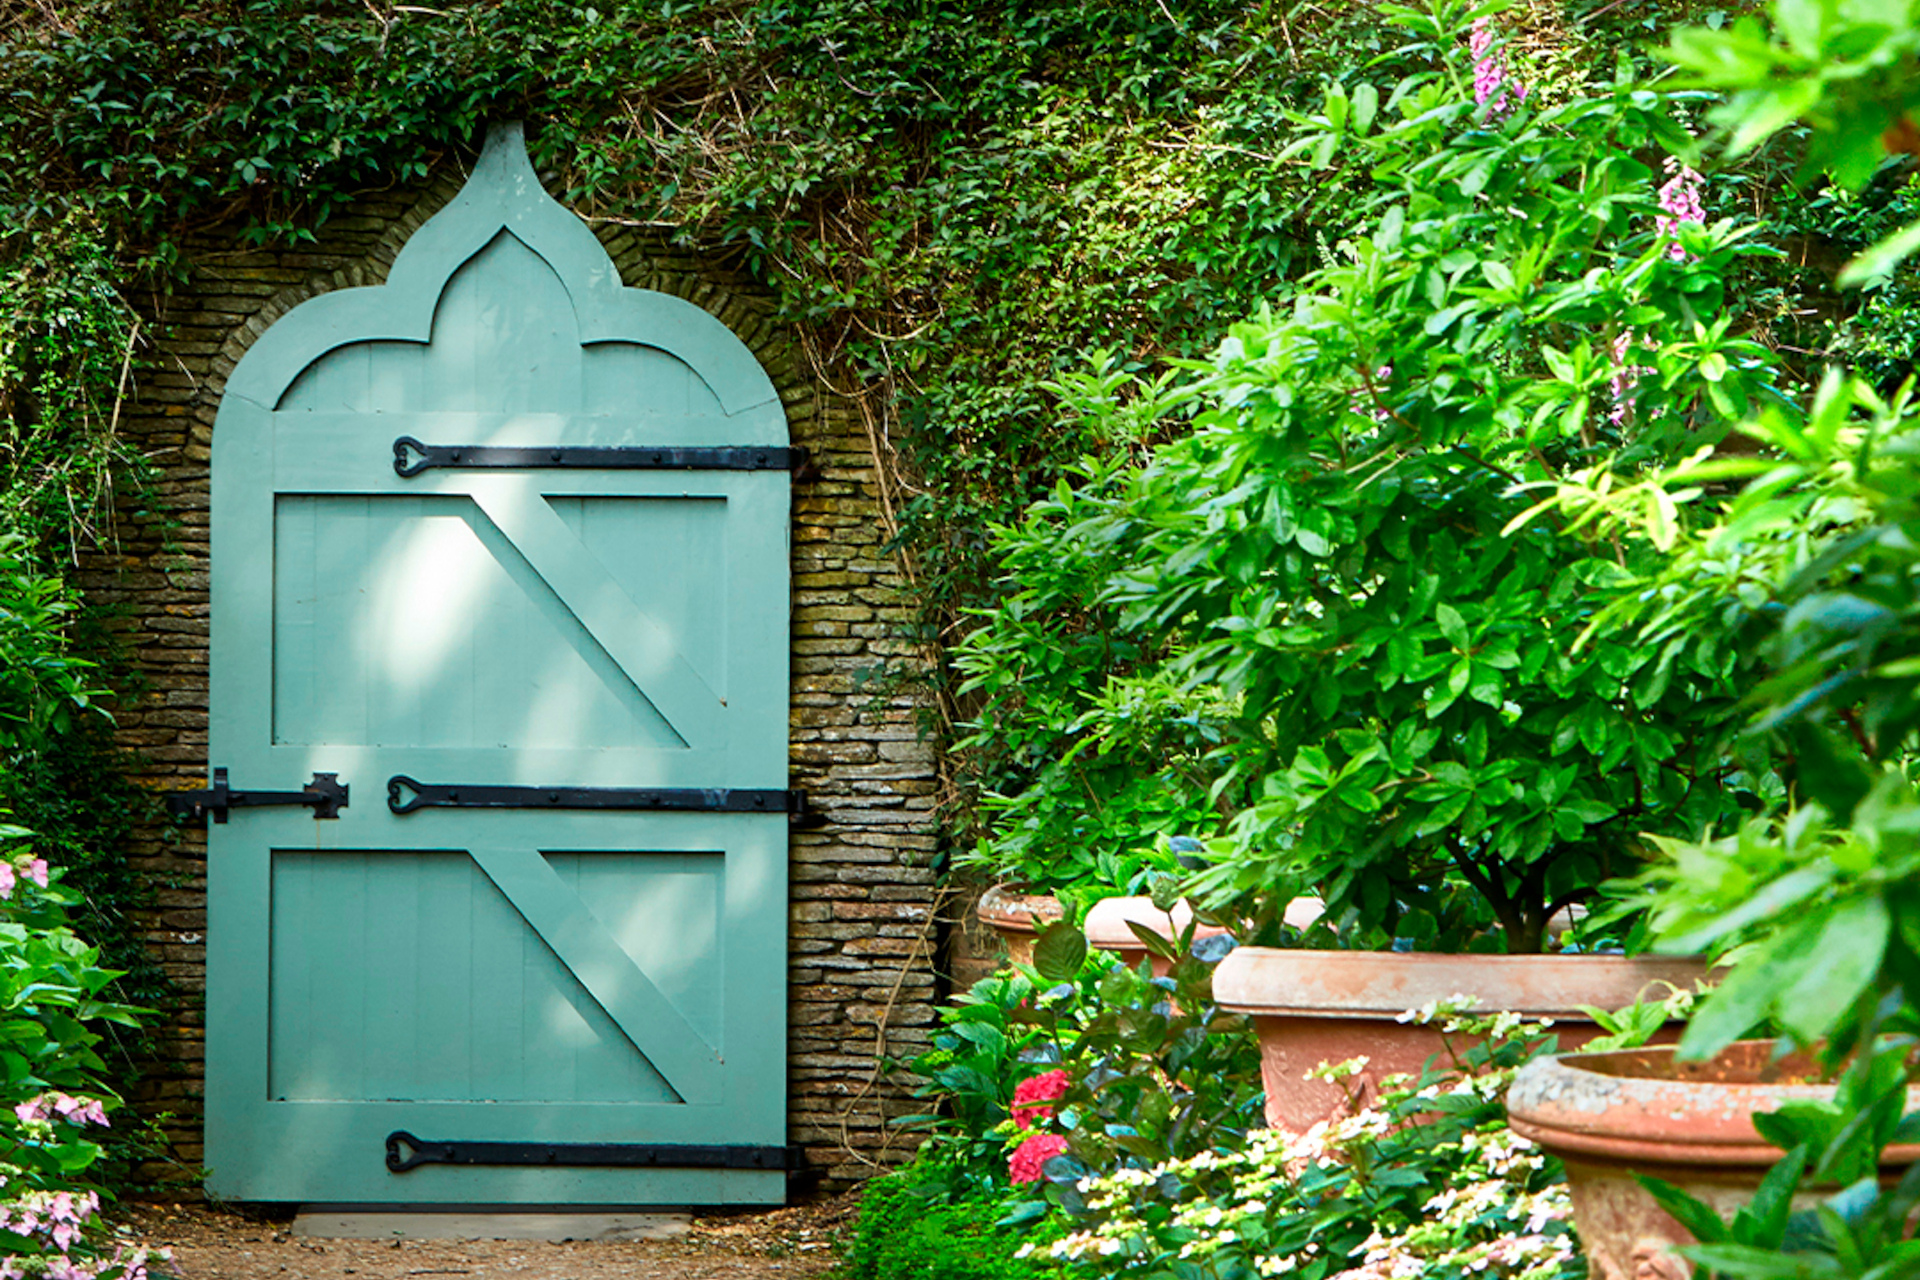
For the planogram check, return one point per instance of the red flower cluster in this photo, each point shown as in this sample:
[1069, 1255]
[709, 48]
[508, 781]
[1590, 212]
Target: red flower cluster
[1033, 1099]
[1031, 1156]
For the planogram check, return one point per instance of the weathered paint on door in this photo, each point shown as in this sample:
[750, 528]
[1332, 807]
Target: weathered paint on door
[476, 974]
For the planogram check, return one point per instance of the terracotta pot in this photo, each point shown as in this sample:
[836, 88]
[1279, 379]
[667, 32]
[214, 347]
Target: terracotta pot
[1017, 916]
[1311, 1007]
[1106, 928]
[1609, 1116]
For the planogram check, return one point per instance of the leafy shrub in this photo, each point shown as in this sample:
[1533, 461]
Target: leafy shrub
[1331, 562]
[906, 1231]
[1140, 1067]
[52, 1097]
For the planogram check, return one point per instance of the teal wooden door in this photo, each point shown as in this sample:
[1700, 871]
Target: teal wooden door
[497, 975]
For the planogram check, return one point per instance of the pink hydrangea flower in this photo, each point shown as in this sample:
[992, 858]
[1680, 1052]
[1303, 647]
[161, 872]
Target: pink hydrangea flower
[1031, 1156]
[79, 1110]
[69, 1108]
[6, 891]
[36, 871]
[1033, 1098]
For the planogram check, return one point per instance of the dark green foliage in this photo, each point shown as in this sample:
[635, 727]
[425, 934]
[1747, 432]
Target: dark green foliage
[75, 796]
[1326, 588]
[907, 1231]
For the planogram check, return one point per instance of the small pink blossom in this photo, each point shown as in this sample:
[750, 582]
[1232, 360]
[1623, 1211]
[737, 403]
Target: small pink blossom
[73, 1110]
[6, 880]
[1680, 198]
[1033, 1098]
[1490, 82]
[1031, 1156]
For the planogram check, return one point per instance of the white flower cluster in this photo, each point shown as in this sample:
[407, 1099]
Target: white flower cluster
[1466, 1225]
[1490, 1218]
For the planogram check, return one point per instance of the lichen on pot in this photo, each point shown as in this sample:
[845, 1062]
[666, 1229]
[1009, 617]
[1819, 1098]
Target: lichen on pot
[1017, 916]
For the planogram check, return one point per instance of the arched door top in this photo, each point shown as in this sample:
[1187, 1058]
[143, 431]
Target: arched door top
[503, 211]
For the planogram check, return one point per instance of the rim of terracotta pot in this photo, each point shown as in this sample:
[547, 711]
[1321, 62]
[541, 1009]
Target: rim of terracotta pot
[1007, 908]
[1106, 923]
[1278, 982]
[1646, 1106]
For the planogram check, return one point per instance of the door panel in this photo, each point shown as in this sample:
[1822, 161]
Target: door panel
[399, 975]
[412, 621]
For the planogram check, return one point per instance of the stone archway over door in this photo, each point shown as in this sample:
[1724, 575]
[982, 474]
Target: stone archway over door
[502, 545]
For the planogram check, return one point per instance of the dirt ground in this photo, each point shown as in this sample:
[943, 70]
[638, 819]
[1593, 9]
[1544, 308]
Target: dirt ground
[785, 1244]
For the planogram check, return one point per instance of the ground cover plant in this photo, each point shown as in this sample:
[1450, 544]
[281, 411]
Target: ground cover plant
[1058, 1147]
[1083, 1057]
[1424, 1180]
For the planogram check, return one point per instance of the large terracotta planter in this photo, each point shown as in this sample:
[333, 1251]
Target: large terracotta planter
[1311, 1007]
[1107, 928]
[1017, 917]
[1609, 1116]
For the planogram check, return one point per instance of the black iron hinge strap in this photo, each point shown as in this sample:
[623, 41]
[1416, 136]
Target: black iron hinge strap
[411, 457]
[326, 793]
[404, 1152]
[404, 795]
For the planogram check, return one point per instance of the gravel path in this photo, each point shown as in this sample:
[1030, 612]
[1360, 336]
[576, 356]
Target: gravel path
[785, 1244]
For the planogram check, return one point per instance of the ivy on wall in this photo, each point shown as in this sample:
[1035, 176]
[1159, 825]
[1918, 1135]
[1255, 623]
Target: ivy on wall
[952, 200]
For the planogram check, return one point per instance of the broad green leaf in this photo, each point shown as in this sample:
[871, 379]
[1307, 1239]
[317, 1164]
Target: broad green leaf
[1438, 322]
[1846, 957]
[1695, 1215]
[1879, 260]
[1776, 898]
[1757, 116]
[1366, 102]
[1059, 951]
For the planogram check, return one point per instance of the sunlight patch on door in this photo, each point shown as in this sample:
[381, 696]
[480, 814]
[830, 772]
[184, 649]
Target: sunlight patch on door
[411, 621]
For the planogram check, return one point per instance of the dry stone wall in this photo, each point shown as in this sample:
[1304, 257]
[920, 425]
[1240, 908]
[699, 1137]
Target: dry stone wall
[862, 932]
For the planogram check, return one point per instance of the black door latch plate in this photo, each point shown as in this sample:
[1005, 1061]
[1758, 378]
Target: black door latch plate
[326, 793]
